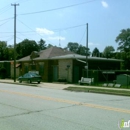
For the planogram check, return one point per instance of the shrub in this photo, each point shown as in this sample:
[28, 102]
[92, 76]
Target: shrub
[2, 73]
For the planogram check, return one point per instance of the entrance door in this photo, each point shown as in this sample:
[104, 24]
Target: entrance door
[55, 73]
[76, 74]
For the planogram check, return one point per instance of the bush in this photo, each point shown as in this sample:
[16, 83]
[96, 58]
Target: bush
[61, 80]
[3, 73]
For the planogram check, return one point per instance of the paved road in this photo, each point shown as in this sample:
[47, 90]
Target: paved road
[35, 108]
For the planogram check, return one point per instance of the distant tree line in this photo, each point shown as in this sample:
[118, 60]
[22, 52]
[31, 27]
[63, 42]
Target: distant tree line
[25, 48]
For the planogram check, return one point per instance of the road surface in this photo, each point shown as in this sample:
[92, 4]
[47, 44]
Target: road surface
[35, 108]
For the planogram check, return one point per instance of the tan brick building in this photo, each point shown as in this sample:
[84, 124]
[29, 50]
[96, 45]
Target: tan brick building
[57, 64]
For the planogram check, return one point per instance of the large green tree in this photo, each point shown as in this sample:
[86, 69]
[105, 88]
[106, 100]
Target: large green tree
[123, 40]
[49, 45]
[73, 46]
[41, 45]
[11, 52]
[96, 52]
[108, 51]
[76, 48]
[4, 54]
[82, 50]
[26, 47]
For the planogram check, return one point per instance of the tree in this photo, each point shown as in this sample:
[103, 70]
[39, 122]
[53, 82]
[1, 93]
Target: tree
[73, 46]
[123, 40]
[3, 51]
[41, 45]
[49, 45]
[26, 47]
[10, 52]
[96, 52]
[76, 48]
[82, 50]
[108, 51]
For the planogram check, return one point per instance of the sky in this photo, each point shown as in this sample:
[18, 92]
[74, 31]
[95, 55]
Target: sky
[61, 21]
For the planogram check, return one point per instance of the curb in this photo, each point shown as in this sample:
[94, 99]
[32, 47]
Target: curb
[101, 91]
[110, 93]
[35, 85]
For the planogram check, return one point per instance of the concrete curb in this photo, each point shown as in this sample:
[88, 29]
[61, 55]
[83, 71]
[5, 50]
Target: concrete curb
[34, 85]
[100, 90]
[110, 93]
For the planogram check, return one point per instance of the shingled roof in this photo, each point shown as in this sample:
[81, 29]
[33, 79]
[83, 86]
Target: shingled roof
[48, 53]
[76, 56]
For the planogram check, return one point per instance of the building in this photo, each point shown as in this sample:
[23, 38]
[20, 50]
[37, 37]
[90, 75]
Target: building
[57, 64]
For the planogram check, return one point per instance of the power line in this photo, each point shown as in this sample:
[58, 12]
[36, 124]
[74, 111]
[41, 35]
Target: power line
[43, 11]
[62, 29]
[19, 38]
[22, 1]
[82, 37]
[49, 9]
[56, 30]
[5, 10]
[6, 32]
[4, 36]
[5, 7]
[9, 39]
[4, 23]
[22, 34]
[30, 28]
[7, 19]
[25, 25]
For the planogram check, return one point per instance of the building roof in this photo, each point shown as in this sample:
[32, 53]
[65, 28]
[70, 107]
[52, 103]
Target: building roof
[48, 53]
[81, 57]
[59, 53]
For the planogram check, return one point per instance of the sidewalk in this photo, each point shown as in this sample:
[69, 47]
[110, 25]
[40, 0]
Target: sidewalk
[61, 85]
[42, 84]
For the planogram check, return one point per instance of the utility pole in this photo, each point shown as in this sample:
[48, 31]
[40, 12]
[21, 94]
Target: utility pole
[87, 49]
[14, 40]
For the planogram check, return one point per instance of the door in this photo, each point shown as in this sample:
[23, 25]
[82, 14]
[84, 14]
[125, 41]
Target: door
[55, 73]
[76, 74]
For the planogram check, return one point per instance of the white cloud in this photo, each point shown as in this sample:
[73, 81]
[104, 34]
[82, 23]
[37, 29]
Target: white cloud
[104, 4]
[44, 31]
[56, 38]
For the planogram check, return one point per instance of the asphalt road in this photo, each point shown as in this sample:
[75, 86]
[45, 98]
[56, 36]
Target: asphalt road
[35, 108]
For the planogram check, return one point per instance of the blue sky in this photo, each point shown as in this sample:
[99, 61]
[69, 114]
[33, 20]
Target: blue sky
[65, 20]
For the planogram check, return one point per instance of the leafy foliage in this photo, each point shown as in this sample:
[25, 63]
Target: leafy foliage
[73, 46]
[25, 48]
[108, 51]
[82, 50]
[2, 72]
[123, 40]
[49, 45]
[76, 48]
[5, 51]
[41, 45]
[96, 52]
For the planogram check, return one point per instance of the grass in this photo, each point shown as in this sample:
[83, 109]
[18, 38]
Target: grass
[122, 86]
[99, 90]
